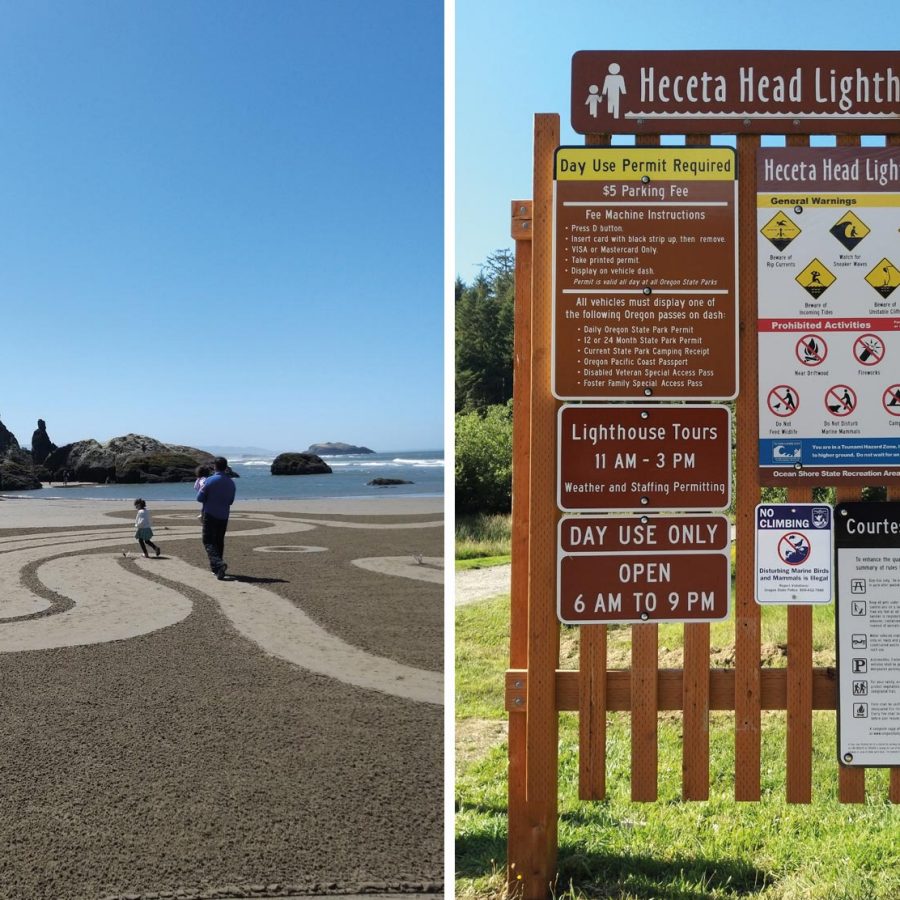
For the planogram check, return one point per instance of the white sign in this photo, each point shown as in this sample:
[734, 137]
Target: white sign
[793, 553]
[829, 315]
[868, 633]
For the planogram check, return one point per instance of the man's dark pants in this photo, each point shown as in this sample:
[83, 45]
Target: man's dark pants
[214, 540]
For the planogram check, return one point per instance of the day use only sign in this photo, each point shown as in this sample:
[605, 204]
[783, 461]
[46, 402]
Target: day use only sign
[643, 569]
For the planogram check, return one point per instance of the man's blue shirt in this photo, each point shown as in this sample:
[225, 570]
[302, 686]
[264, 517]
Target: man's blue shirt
[217, 495]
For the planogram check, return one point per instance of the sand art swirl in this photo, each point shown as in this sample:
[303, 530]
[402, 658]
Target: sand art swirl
[59, 593]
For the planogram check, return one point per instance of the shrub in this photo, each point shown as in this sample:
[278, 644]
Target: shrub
[484, 460]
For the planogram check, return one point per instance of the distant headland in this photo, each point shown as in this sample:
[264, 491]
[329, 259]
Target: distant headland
[336, 449]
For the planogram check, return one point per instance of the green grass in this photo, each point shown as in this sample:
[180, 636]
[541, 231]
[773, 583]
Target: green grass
[716, 849]
[482, 562]
[483, 536]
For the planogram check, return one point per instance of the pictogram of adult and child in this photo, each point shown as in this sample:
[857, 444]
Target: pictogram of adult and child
[613, 88]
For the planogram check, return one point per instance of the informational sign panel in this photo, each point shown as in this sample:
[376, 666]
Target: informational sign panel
[734, 91]
[617, 457]
[867, 538]
[829, 317]
[643, 569]
[793, 553]
[644, 273]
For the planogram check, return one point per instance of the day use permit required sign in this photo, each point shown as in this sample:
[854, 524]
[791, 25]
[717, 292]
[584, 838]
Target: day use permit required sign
[867, 538]
[828, 220]
[644, 274]
[631, 569]
[793, 553]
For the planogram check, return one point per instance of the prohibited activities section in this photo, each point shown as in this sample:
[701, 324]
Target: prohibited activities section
[828, 236]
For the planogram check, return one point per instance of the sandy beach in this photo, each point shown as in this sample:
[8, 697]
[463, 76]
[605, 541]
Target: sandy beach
[277, 733]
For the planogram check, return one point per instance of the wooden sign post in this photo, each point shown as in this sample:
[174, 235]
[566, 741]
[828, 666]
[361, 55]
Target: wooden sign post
[647, 94]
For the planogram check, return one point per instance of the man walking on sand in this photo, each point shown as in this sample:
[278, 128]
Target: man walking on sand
[216, 495]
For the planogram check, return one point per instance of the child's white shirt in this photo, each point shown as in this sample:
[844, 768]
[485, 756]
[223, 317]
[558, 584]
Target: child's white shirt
[142, 520]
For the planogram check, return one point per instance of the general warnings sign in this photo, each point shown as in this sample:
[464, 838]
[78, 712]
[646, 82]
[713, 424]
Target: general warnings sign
[793, 553]
[829, 315]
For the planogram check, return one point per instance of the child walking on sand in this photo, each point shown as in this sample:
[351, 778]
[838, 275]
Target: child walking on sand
[203, 472]
[143, 530]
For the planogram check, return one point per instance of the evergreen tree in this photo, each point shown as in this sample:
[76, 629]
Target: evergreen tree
[484, 335]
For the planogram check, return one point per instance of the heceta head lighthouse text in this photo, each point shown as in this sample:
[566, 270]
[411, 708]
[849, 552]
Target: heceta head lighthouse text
[819, 86]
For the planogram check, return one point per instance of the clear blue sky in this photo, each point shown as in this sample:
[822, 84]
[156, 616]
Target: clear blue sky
[222, 222]
[513, 59]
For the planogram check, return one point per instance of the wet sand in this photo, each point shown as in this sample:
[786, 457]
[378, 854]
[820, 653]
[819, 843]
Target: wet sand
[278, 733]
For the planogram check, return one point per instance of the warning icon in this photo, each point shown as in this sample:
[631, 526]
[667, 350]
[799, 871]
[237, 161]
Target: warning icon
[816, 279]
[849, 230]
[780, 230]
[884, 277]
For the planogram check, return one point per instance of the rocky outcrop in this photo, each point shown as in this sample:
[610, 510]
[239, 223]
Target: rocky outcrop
[7, 440]
[130, 459]
[336, 449]
[299, 464]
[17, 471]
[41, 445]
[387, 482]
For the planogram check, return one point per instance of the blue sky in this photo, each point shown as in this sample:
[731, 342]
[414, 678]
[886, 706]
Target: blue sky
[222, 222]
[514, 58]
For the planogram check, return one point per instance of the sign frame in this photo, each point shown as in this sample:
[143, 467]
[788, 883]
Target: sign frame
[827, 412]
[856, 628]
[733, 92]
[803, 516]
[655, 293]
[635, 426]
[690, 556]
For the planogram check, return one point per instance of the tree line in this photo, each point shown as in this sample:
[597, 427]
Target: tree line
[484, 312]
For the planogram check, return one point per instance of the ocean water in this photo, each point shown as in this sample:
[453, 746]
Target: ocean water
[349, 477]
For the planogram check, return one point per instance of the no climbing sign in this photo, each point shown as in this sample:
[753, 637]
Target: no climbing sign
[793, 553]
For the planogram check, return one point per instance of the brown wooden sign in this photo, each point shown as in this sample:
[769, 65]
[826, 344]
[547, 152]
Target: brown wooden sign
[644, 273]
[651, 587]
[643, 457]
[735, 91]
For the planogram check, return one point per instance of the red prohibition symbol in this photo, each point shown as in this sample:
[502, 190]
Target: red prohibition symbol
[868, 349]
[783, 401]
[794, 548]
[811, 350]
[840, 400]
[891, 400]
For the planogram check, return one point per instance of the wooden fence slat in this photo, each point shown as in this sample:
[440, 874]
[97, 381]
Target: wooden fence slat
[592, 655]
[893, 140]
[644, 665]
[521, 228]
[592, 713]
[644, 715]
[798, 746]
[670, 689]
[695, 725]
[747, 614]
[851, 779]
